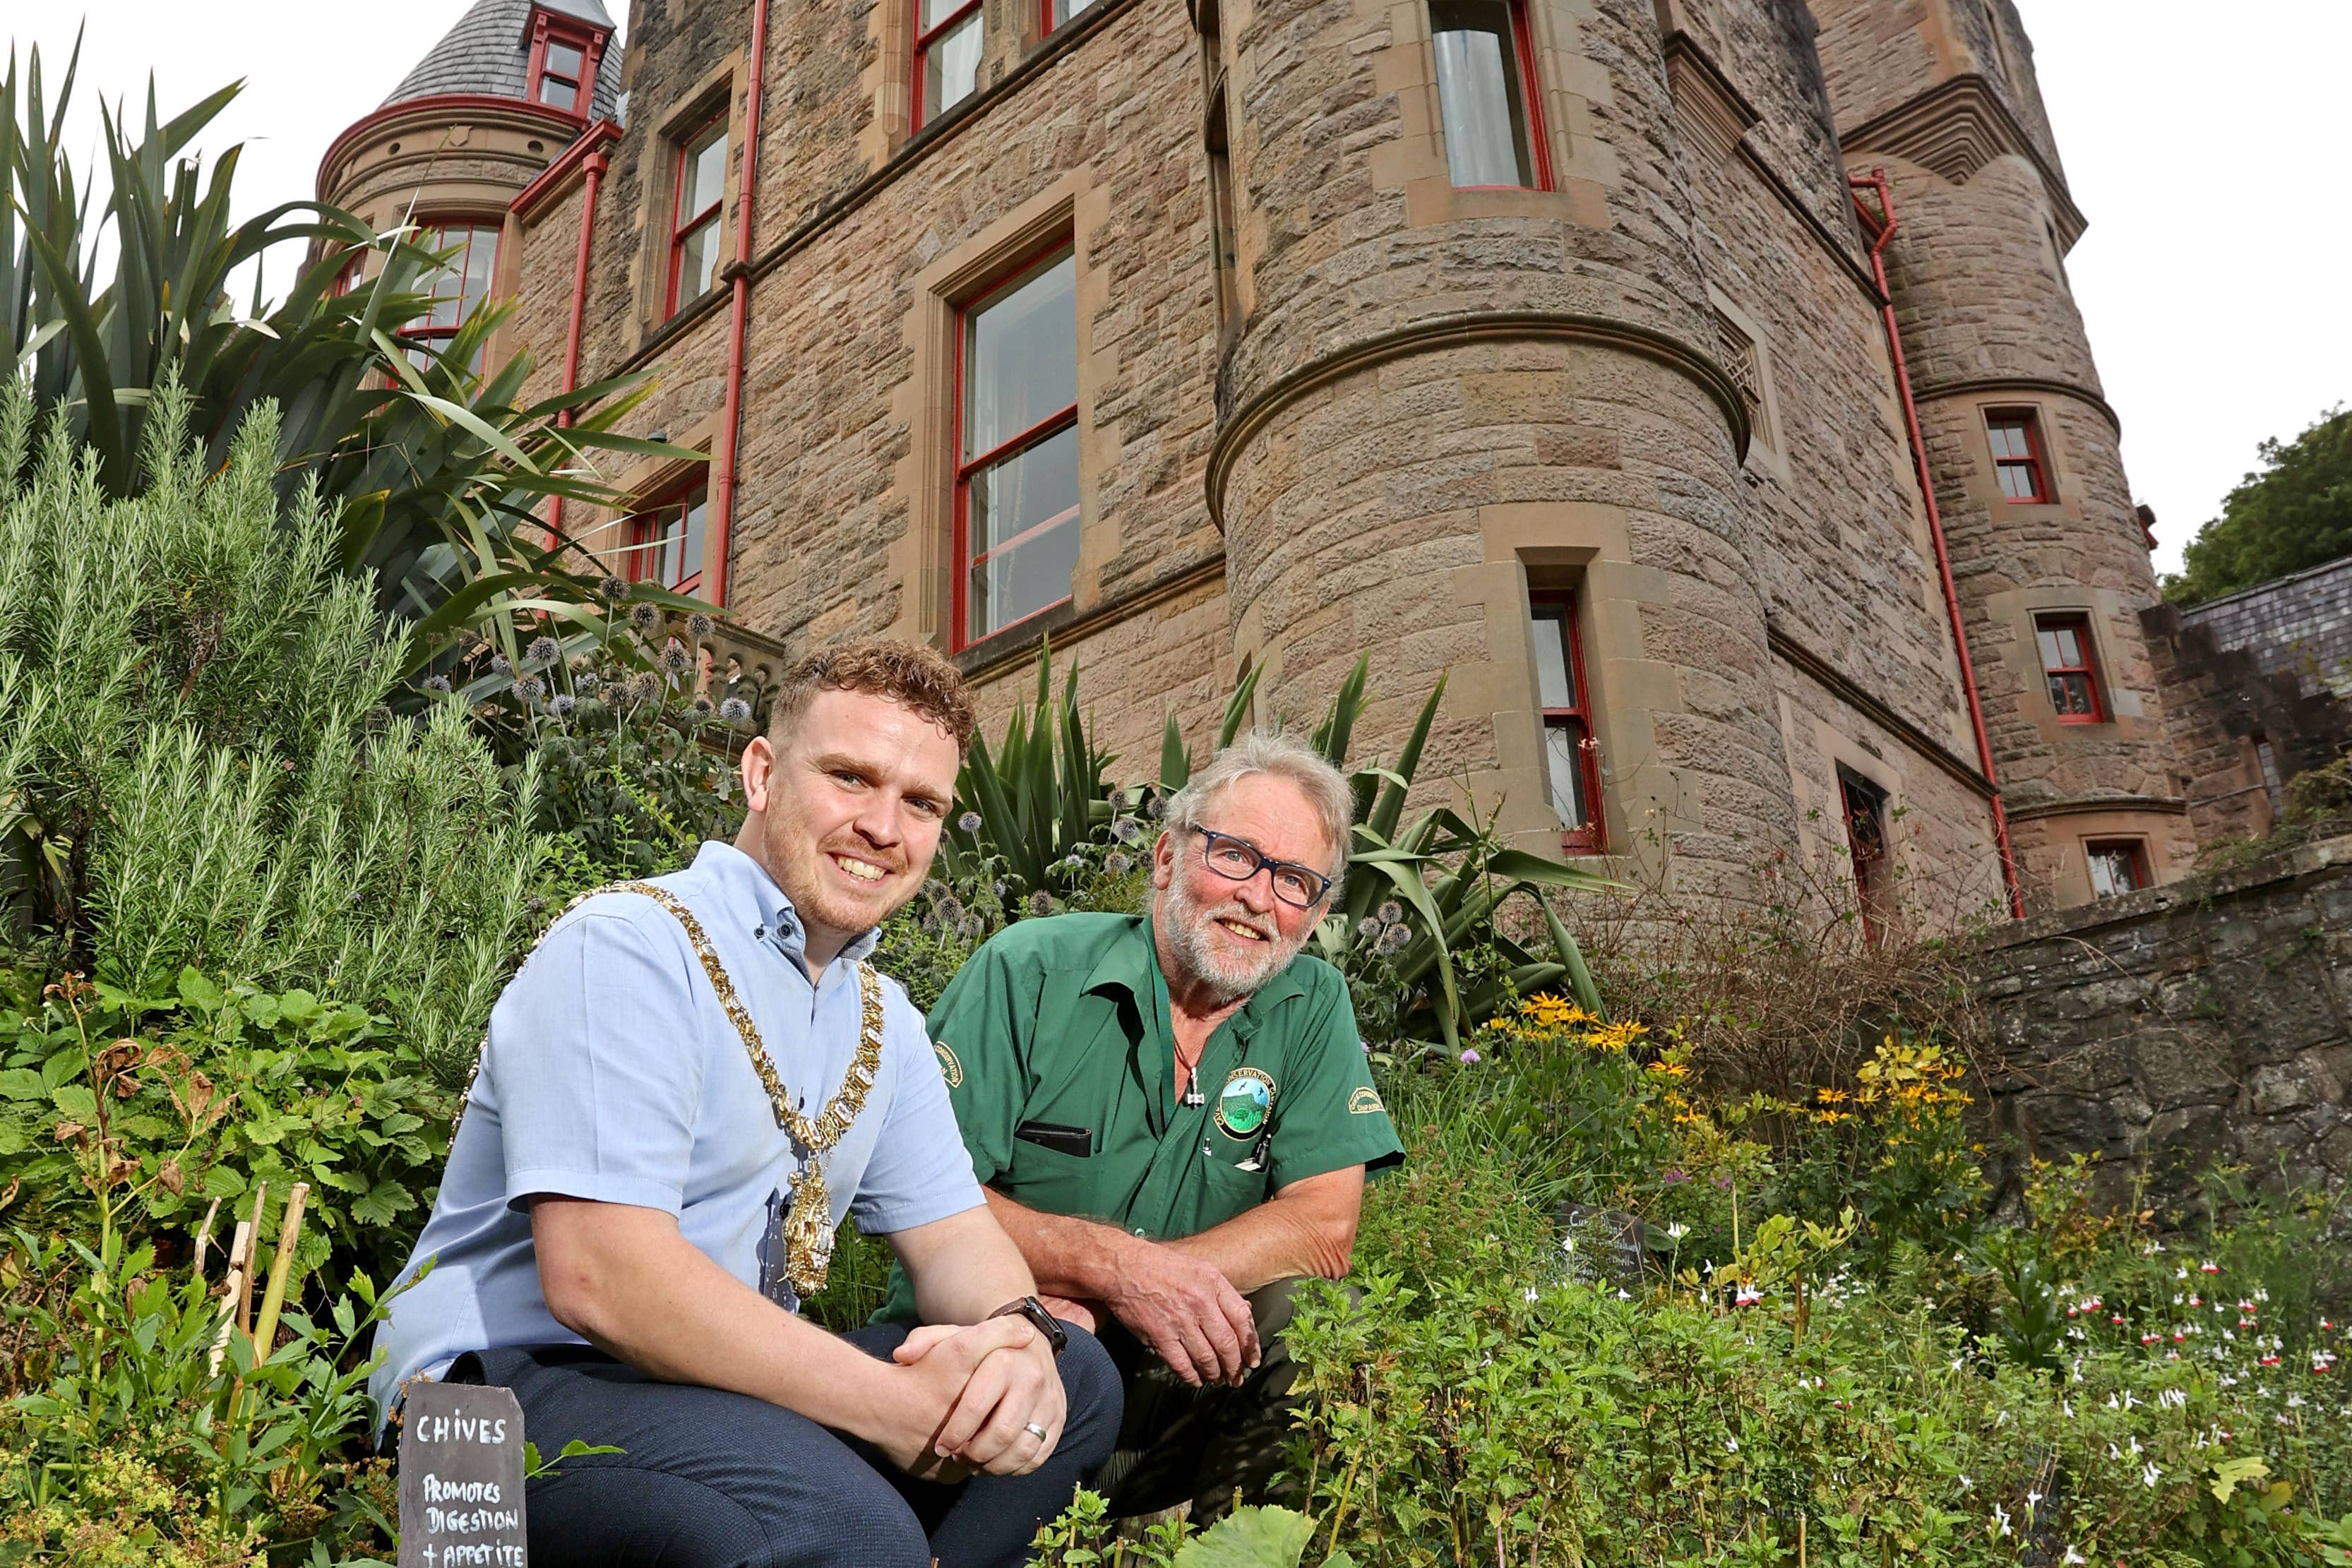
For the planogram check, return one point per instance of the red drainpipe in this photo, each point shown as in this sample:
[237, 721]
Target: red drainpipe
[730, 418]
[594, 166]
[1880, 226]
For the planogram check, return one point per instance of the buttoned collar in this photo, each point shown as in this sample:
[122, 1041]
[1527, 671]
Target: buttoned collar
[750, 899]
[1131, 964]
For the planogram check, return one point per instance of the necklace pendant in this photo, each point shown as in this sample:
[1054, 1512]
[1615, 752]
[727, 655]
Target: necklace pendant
[808, 1233]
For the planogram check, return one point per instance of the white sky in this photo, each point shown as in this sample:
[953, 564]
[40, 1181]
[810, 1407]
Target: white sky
[2204, 150]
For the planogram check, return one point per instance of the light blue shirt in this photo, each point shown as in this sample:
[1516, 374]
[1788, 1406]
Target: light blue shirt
[613, 1073]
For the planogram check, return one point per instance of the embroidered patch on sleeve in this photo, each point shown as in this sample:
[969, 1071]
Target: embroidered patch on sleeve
[1365, 1102]
[948, 1065]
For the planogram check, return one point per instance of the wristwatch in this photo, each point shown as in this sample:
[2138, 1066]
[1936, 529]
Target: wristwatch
[1047, 1324]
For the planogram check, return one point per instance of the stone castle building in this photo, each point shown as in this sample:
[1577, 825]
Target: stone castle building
[1536, 344]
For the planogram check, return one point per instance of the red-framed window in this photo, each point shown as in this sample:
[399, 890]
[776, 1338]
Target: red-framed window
[1017, 423]
[2117, 865]
[1489, 98]
[698, 191]
[2016, 437]
[1571, 753]
[1053, 14]
[665, 542]
[947, 55]
[2064, 643]
[563, 65]
[462, 281]
[1865, 806]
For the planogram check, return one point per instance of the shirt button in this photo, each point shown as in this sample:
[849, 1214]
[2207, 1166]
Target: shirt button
[1143, 1232]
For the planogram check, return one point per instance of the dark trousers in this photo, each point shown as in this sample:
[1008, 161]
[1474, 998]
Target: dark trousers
[1182, 1444]
[712, 1479]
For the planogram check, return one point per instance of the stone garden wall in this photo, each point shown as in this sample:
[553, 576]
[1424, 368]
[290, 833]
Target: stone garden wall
[2173, 1028]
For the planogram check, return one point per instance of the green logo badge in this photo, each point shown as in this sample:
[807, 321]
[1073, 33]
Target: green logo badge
[1242, 1103]
[1364, 1102]
[950, 1068]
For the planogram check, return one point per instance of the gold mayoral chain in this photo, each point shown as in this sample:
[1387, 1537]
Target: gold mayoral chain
[808, 1233]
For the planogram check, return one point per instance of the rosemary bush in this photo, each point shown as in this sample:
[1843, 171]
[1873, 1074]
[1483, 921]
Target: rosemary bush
[196, 764]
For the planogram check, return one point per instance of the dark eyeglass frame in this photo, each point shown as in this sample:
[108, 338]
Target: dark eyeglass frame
[1261, 861]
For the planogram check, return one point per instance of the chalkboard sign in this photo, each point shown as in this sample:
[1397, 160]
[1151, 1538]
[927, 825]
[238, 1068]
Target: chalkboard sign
[460, 1477]
[1600, 1244]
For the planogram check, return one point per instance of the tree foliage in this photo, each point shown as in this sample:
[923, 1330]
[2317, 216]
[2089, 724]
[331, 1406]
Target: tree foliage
[2295, 512]
[429, 471]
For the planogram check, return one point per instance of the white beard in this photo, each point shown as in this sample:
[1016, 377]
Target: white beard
[1187, 927]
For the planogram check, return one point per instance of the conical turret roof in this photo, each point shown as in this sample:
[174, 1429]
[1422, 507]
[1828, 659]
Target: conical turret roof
[488, 52]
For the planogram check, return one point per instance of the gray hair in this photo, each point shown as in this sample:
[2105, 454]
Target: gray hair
[1326, 787]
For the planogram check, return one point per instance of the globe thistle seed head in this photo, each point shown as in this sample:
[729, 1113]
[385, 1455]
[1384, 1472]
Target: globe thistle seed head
[1157, 809]
[1116, 864]
[703, 707]
[586, 683]
[968, 929]
[675, 659]
[563, 704]
[644, 617]
[968, 821]
[951, 909]
[379, 717]
[1127, 829]
[699, 625]
[529, 688]
[997, 887]
[735, 710]
[1390, 912]
[500, 666]
[1392, 940]
[615, 590]
[437, 684]
[543, 651]
[1368, 928]
[644, 686]
[928, 920]
[1041, 903]
[1118, 799]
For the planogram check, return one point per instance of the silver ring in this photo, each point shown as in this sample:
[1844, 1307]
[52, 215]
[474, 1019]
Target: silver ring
[1036, 1431]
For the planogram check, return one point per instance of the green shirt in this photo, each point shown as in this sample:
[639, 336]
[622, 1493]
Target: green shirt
[1060, 1027]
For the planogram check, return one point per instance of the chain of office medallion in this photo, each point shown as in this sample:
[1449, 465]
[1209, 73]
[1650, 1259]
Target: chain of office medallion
[836, 1118]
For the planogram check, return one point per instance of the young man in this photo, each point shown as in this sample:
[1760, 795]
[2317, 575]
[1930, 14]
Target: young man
[1174, 1118]
[683, 1091]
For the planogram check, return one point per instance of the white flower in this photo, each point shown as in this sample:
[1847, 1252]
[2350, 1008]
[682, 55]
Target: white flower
[2032, 1499]
[2134, 1444]
[1531, 1292]
[1731, 1445]
[1966, 1484]
[1999, 1519]
[2149, 1476]
[1677, 1230]
[2073, 1558]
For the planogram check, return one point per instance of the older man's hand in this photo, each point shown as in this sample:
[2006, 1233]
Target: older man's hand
[1186, 1310]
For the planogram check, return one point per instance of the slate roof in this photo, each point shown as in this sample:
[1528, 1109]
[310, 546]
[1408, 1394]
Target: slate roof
[488, 52]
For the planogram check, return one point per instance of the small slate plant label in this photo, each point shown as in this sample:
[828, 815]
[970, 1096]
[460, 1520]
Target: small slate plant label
[1609, 1244]
[461, 1477]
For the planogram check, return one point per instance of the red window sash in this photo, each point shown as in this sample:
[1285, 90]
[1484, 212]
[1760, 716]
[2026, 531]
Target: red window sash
[684, 226]
[1523, 54]
[2134, 854]
[918, 111]
[646, 542]
[2080, 626]
[2036, 469]
[966, 469]
[1870, 859]
[428, 334]
[1590, 839]
[590, 43]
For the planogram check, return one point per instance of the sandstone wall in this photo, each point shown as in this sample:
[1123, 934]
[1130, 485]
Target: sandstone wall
[2176, 1028]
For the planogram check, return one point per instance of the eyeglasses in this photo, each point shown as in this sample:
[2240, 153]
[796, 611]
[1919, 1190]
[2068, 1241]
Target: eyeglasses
[1238, 860]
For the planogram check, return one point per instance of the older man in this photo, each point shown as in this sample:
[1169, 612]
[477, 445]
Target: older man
[685, 1090]
[1174, 1118]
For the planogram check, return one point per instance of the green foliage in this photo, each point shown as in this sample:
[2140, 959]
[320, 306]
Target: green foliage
[188, 1101]
[196, 766]
[2295, 512]
[123, 1442]
[429, 471]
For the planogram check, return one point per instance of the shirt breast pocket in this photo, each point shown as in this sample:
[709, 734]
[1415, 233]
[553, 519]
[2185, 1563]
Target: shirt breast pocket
[1052, 1181]
[1229, 1190]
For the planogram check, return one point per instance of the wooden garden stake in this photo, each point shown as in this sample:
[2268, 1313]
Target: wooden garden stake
[252, 1255]
[240, 1259]
[205, 1236]
[289, 1229]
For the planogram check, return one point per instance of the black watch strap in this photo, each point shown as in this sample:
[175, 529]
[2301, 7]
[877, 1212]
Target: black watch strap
[1047, 1324]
